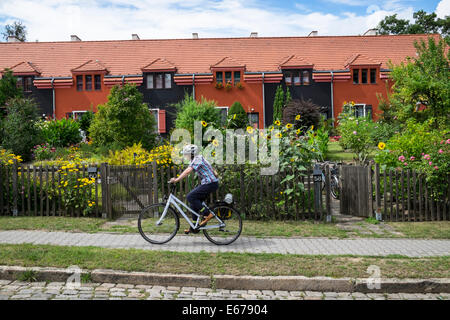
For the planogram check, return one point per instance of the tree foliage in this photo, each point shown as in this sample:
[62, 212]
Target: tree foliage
[423, 23]
[16, 29]
[8, 88]
[237, 117]
[421, 87]
[21, 133]
[124, 120]
[310, 113]
[278, 104]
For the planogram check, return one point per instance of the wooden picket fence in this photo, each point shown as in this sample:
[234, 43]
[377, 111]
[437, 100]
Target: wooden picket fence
[124, 190]
[393, 195]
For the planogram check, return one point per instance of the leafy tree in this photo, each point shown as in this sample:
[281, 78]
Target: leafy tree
[278, 104]
[237, 117]
[124, 120]
[288, 97]
[8, 88]
[421, 87]
[21, 133]
[310, 113]
[85, 121]
[423, 23]
[17, 29]
[189, 111]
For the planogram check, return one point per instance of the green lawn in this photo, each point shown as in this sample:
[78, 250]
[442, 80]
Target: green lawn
[426, 230]
[89, 258]
[336, 153]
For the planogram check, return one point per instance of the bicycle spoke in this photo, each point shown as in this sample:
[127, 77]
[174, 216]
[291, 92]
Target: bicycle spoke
[154, 227]
[231, 229]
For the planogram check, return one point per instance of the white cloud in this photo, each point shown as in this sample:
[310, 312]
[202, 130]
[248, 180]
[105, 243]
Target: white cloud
[443, 9]
[51, 20]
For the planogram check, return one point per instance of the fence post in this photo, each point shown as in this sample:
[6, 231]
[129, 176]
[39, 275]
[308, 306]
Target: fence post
[328, 192]
[317, 178]
[378, 215]
[106, 214]
[370, 189]
[14, 188]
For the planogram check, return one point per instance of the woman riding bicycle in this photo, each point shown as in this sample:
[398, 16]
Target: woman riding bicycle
[209, 182]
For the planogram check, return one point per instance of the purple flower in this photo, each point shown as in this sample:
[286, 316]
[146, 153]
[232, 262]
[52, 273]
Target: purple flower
[354, 132]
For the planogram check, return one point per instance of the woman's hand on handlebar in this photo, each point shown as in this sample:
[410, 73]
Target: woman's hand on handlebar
[173, 180]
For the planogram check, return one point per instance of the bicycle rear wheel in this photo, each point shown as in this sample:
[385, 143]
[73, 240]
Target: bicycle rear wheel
[228, 233]
[156, 233]
[334, 187]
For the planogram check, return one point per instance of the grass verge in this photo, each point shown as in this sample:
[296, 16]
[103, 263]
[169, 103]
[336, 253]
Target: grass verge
[89, 258]
[422, 230]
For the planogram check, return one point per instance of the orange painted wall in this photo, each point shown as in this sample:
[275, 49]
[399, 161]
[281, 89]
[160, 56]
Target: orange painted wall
[250, 97]
[360, 94]
[69, 99]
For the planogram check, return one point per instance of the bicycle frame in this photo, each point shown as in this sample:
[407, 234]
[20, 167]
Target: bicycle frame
[176, 202]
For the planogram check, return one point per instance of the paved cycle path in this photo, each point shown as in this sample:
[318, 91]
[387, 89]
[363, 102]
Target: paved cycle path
[309, 246]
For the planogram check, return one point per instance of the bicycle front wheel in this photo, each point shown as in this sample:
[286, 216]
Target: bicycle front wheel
[232, 225]
[155, 230]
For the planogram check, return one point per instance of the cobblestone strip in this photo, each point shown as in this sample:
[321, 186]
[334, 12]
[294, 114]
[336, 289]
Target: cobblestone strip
[407, 247]
[16, 290]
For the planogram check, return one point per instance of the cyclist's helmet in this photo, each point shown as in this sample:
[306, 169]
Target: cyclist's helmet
[190, 149]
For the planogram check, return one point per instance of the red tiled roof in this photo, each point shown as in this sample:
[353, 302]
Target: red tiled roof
[361, 60]
[159, 65]
[24, 68]
[228, 62]
[295, 62]
[91, 65]
[126, 57]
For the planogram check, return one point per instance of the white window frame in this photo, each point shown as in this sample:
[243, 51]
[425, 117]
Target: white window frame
[363, 105]
[157, 116]
[224, 107]
[75, 112]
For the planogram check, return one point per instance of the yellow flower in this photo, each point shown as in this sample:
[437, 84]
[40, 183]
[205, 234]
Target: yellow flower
[298, 131]
[250, 129]
[278, 135]
[204, 123]
[215, 142]
[213, 153]
[10, 161]
[90, 204]
[234, 116]
[381, 145]
[277, 122]
[288, 126]
[312, 127]
[297, 117]
[292, 159]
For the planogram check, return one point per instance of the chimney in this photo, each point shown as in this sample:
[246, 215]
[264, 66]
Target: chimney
[254, 35]
[194, 35]
[371, 32]
[134, 36]
[313, 34]
[13, 39]
[74, 38]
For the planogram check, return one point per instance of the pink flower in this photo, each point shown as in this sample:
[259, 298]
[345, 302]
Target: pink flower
[354, 132]
[427, 157]
[448, 141]
[442, 141]
[412, 158]
[441, 151]
[423, 153]
[401, 158]
[430, 163]
[405, 163]
[436, 168]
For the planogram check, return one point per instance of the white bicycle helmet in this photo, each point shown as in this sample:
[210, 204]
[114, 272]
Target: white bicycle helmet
[190, 149]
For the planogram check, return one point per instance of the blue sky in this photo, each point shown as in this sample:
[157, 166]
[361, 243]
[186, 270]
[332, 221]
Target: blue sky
[52, 20]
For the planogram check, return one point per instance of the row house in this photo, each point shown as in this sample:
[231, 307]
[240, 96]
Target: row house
[70, 77]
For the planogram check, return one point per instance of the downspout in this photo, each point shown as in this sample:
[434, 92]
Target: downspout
[123, 80]
[332, 98]
[53, 99]
[193, 86]
[264, 102]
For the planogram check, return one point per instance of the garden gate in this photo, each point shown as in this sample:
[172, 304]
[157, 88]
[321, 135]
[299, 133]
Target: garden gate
[356, 191]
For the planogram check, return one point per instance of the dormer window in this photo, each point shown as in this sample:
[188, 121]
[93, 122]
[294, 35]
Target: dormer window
[363, 76]
[159, 81]
[25, 83]
[297, 78]
[237, 77]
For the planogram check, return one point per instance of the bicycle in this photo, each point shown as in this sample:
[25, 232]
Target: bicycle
[334, 178]
[159, 223]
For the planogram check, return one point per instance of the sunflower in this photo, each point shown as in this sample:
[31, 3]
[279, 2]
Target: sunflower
[381, 145]
[215, 142]
[298, 131]
[288, 126]
[250, 129]
[204, 123]
[297, 117]
[277, 122]
[278, 135]
[312, 127]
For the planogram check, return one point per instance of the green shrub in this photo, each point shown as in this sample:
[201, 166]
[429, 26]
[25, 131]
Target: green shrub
[60, 133]
[124, 120]
[8, 88]
[309, 114]
[190, 111]
[44, 151]
[237, 117]
[85, 121]
[21, 133]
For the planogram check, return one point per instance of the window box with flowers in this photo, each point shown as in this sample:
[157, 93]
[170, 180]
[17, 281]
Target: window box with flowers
[228, 86]
[239, 85]
[219, 85]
